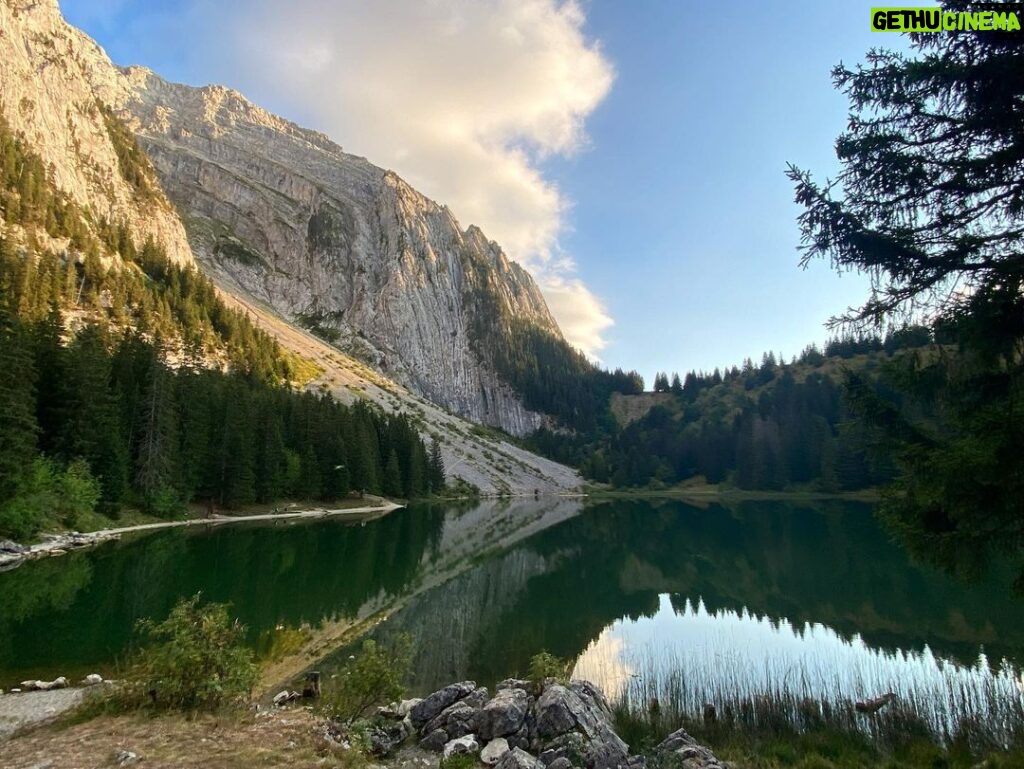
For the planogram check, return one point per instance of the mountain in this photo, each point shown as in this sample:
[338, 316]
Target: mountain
[421, 303]
[337, 244]
[48, 73]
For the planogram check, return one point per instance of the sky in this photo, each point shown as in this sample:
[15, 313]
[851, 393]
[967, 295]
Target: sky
[632, 155]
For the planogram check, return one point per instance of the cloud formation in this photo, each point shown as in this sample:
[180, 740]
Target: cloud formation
[463, 98]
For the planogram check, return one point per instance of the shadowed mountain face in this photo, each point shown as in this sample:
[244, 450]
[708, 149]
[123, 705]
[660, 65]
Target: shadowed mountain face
[338, 245]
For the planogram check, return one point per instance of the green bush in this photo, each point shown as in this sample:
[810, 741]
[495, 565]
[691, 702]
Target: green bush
[544, 664]
[49, 497]
[375, 676]
[195, 659]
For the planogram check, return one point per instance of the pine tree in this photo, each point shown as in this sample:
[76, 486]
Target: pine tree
[931, 208]
[392, 476]
[18, 426]
[156, 473]
[435, 467]
[91, 425]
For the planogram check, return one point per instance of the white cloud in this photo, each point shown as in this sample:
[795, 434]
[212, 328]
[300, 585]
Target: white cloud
[463, 98]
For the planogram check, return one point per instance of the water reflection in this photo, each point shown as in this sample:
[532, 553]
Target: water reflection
[75, 614]
[686, 656]
[692, 598]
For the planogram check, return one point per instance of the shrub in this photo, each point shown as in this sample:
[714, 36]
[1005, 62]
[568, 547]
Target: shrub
[194, 659]
[50, 496]
[544, 664]
[375, 676]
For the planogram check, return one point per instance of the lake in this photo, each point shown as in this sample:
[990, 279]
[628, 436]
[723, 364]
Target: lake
[652, 598]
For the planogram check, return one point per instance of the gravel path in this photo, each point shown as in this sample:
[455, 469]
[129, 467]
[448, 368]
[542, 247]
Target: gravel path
[32, 708]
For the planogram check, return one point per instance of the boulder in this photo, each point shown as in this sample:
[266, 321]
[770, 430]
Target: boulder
[517, 758]
[477, 698]
[560, 763]
[520, 739]
[515, 683]
[435, 741]
[465, 744]
[503, 715]
[456, 720]
[581, 708]
[494, 750]
[93, 679]
[571, 746]
[692, 754]
[7, 546]
[430, 707]
[384, 738]
[555, 712]
[592, 696]
[405, 706]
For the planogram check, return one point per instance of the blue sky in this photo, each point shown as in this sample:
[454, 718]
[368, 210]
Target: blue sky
[632, 154]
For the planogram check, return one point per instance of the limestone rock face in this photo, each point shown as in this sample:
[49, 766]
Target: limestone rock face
[330, 240]
[51, 78]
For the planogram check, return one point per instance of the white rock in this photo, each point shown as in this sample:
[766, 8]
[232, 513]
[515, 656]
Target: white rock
[467, 744]
[405, 706]
[494, 750]
[125, 757]
[281, 697]
[93, 679]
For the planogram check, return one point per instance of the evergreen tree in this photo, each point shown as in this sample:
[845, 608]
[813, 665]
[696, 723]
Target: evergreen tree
[156, 473]
[392, 476]
[932, 210]
[91, 425]
[435, 467]
[18, 426]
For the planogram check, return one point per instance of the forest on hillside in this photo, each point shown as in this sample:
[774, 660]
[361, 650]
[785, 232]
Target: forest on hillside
[771, 426]
[126, 381]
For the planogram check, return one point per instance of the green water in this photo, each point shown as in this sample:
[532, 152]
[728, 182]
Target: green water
[743, 598]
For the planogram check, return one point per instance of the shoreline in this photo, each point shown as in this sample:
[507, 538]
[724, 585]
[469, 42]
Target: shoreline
[713, 493]
[61, 544]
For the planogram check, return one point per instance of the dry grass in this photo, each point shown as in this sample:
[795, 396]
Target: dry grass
[289, 738]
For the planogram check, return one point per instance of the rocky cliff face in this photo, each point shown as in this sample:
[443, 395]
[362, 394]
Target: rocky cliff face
[335, 243]
[49, 82]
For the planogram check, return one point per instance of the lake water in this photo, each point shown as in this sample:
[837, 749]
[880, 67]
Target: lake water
[653, 598]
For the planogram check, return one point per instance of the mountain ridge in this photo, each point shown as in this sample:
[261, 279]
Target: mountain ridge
[76, 94]
[338, 244]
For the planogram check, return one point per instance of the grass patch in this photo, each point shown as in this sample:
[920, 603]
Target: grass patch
[898, 740]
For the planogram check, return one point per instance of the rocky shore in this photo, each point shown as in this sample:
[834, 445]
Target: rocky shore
[523, 726]
[36, 702]
[13, 555]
